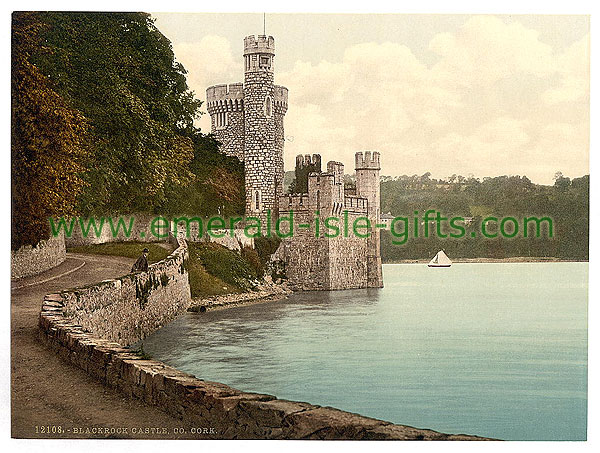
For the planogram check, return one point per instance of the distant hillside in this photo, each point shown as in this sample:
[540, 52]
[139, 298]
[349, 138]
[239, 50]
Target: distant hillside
[566, 202]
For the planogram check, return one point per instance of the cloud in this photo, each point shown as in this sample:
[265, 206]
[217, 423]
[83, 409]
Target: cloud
[485, 50]
[209, 61]
[487, 105]
[497, 100]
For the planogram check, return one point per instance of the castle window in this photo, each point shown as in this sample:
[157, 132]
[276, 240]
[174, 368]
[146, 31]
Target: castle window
[318, 199]
[265, 62]
[268, 107]
[257, 200]
[221, 119]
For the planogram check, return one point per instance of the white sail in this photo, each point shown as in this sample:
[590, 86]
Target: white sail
[440, 259]
[443, 258]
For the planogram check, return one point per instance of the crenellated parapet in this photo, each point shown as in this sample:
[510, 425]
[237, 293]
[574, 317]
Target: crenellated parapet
[367, 161]
[308, 160]
[259, 44]
[294, 202]
[321, 178]
[225, 98]
[280, 99]
[356, 204]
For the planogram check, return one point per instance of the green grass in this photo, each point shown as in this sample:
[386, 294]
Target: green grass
[203, 284]
[214, 270]
[126, 249]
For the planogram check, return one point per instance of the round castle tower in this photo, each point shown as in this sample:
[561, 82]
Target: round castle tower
[247, 118]
[265, 105]
[367, 168]
[225, 105]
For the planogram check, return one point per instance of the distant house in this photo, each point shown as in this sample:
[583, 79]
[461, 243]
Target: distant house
[386, 219]
[466, 221]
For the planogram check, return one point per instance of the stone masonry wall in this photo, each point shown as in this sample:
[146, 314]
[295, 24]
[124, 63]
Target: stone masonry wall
[28, 260]
[259, 144]
[321, 263]
[129, 308]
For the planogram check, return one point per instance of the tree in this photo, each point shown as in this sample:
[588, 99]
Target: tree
[560, 182]
[300, 182]
[120, 72]
[216, 186]
[48, 142]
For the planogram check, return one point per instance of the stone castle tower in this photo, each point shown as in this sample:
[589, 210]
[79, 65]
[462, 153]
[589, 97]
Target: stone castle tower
[367, 168]
[247, 118]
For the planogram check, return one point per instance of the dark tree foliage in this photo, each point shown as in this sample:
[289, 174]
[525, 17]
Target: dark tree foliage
[120, 72]
[216, 187]
[300, 182]
[48, 142]
[566, 202]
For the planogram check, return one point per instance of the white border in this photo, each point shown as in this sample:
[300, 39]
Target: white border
[348, 6]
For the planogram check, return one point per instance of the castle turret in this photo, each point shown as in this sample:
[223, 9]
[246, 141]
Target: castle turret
[247, 118]
[264, 107]
[367, 186]
[225, 105]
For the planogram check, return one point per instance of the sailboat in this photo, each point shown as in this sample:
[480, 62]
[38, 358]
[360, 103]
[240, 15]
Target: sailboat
[440, 260]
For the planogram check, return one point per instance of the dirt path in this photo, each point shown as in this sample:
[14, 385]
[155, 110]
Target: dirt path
[48, 392]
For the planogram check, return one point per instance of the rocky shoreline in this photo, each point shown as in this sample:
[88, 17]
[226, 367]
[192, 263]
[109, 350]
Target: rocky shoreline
[267, 292]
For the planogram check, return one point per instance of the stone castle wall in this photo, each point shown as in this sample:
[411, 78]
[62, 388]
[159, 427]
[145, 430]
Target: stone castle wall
[129, 308]
[344, 260]
[32, 260]
[322, 263]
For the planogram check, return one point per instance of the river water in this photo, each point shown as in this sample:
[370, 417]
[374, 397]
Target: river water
[496, 350]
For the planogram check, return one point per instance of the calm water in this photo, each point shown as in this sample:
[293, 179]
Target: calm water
[496, 350]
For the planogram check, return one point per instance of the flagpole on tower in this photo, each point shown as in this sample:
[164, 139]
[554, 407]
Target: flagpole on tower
[264, 24]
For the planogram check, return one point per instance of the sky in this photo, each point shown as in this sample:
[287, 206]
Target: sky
[475, 95]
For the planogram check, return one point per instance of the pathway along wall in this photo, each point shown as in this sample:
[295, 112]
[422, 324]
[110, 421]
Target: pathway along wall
[83, 326]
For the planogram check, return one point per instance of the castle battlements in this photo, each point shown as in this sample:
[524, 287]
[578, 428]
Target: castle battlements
[356, 204]
[294, 202]
[259, 44]
[230, 98]
[306, 160]
[367, 160]
[280, 99]
[321, 178]
[225, 98]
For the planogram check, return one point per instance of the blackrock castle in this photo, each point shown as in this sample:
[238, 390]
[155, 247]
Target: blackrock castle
[333, 245]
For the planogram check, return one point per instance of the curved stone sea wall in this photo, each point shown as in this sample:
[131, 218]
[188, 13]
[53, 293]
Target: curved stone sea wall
[83, 326]
[28, 260]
